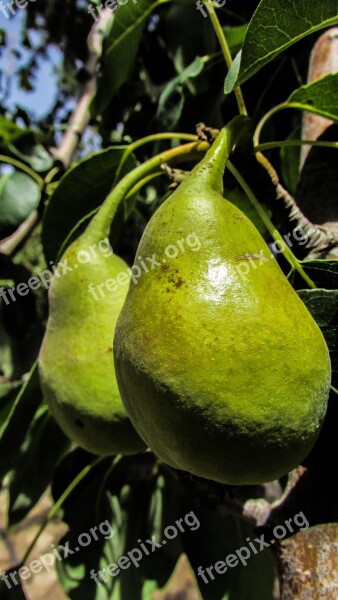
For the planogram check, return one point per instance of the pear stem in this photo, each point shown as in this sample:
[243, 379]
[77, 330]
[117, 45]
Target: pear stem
[209, 172]
[226, 52]
[99, 227]
[290, 257]
[189, 137]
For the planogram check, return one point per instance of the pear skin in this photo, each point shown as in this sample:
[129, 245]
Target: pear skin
[224, 374]
[76, 362]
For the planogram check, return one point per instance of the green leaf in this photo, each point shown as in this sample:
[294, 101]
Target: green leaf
[274, 27]
[34, 154]
[194, 69]
[6, 357]
[80, 191]
[14, 428]
[319, 97]
[317, 189]
[323, 304]
[40, 452]
[9, 131]
[8, 393]
[324, 273]
[235, 36]
[133, 503]
[120, 50]
[183, 43]
[232, 76]
[19, 196]
[290, 158]
[169, 115]
[170, 109]
[217, 537]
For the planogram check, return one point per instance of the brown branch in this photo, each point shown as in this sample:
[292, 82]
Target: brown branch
[11, 243]
[81, 115]
[308, 564]
[324, 60]
[78, 123]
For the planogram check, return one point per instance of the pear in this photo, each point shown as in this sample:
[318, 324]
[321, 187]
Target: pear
[76, 361]
[222, 369]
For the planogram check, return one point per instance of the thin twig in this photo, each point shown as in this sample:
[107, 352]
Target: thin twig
[14, 241]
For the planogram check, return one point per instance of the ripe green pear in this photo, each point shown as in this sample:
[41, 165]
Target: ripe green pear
[222, 369]
[76, 361]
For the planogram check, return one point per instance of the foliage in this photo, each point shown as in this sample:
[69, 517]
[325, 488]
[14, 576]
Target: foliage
[162, 71]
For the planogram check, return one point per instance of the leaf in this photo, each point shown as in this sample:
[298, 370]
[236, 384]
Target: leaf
[19, 196]
[319, 97]
[274, 27]
[324, 273]
[34, 154]
[231, 78]
[194, 69]
[290, 158]
[40, 452]
[183, 43]
[169, 110]
[13, 430]
[170, 114]
[317, 189]
[8, 393]
[131, 504]
[235, 36]
[120, 50]
[81, 190]
[9, 131]
[323, 305]
[218, 537]
[6, 357]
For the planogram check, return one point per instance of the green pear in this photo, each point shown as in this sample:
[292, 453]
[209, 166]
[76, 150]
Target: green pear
[222, 369]
[76, 361]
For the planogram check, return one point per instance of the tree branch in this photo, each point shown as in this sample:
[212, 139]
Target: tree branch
[81, 115]
[78, 123]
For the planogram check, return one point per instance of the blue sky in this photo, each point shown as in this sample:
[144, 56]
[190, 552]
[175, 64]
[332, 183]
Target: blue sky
[40, 100]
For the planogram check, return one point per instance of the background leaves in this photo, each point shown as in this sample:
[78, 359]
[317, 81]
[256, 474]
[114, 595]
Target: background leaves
[274, 27]
[161, 69]
[19, 196]
[120, 49]
[138, 501]
[84, 187]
